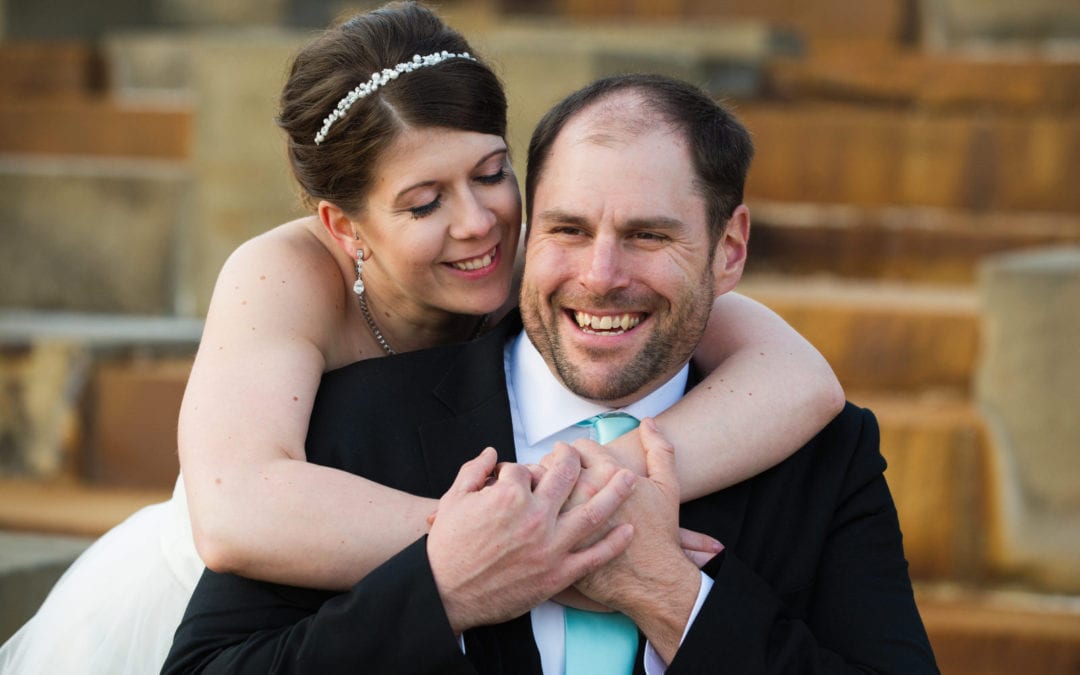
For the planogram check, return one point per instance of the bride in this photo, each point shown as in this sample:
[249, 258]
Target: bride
[414, 225]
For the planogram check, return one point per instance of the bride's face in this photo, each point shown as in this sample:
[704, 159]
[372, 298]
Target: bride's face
[441, 224]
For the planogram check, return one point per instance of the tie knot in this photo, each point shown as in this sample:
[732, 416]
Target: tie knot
[610, 426]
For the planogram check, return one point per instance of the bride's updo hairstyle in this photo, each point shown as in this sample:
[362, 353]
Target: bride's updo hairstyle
[457, 91]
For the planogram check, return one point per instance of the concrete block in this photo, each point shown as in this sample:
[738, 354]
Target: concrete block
[1027, 389]
[961, 23]
[133, 408]
[91, 235]
[29, 566]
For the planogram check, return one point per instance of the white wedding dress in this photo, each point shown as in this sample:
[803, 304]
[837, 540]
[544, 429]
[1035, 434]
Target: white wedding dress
[114, 611]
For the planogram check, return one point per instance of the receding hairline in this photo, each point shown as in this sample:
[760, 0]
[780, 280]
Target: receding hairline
[619, 117]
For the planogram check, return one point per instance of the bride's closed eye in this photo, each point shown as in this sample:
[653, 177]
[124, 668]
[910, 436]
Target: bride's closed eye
[494, 178]
[426, 209]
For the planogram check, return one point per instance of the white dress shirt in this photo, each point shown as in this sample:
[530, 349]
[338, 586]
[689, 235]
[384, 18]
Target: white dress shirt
[543, 411]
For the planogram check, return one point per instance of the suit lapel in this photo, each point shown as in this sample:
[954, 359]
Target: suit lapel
[473, 389]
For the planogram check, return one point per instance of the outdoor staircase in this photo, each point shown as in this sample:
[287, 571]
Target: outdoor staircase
[885, 176]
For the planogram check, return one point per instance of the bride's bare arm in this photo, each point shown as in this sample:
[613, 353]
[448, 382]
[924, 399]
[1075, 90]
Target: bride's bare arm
[768, 392]
[258, 508]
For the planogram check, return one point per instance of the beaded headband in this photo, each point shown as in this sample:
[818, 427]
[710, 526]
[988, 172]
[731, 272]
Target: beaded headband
[379, 79]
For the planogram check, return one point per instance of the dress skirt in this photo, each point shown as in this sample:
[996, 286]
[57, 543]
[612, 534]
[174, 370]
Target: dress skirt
[114, 611]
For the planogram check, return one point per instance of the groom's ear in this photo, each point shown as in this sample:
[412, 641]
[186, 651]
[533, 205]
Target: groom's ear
[729, 259]
[341, 227]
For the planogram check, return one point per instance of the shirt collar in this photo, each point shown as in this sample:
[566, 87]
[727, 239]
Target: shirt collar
[546, 407]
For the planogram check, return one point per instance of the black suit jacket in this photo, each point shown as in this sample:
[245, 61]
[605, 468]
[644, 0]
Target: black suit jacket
[813, 578]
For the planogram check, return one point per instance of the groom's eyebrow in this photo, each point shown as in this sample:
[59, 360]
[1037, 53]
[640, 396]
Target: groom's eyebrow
[641, 223]
[564, 217]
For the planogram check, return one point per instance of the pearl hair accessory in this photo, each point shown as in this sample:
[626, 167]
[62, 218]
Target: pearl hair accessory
[380, 79]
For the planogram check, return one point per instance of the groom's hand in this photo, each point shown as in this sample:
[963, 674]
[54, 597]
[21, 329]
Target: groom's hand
[653, 582]
[501, 543]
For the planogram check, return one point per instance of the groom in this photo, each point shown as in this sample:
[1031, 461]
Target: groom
[634, 198]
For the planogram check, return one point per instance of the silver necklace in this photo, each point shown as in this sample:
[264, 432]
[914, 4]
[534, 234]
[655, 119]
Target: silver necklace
[378, 333]
[374, 329]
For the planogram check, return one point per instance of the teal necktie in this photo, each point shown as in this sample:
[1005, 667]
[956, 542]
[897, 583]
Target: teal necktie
[600, 643]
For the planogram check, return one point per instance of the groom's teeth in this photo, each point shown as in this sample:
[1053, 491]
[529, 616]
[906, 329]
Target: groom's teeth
[476, 263]
[620, 323]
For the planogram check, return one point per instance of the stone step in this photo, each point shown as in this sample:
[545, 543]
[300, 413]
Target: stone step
[881, 336]
[938, 471]
[918, 244]
[93, 397]
[998, 80]
[886, 156]
[995, 632]
[93, 235]
[29, 566]
[878, 20]
[98, 127]
[69, 508]
[50, 70]
[133, 405]
[935, 448]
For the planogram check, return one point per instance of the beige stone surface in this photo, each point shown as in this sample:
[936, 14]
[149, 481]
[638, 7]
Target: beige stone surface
[243, 186]
[540, 62]
[955, 23]
[96, 235]
[231, 13]
[148, 64]
[1028, 387]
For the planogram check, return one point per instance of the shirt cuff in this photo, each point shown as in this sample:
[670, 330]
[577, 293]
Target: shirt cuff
[654, 665]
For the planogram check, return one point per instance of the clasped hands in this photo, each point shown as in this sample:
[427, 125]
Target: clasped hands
[509, 536]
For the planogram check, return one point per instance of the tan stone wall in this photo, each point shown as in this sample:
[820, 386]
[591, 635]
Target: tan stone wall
[94, 235]
[243, 186]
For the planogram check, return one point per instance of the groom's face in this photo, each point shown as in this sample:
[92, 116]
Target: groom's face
[618, 280]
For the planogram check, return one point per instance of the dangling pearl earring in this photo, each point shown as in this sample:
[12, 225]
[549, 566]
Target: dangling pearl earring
[358, 287]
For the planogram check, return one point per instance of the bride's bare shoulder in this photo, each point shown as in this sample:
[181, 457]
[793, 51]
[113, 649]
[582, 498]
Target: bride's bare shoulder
[298, 249]
[292, 265]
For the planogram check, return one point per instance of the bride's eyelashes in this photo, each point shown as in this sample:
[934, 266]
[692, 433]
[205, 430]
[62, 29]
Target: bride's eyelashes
[427, 209]
[494, 178]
